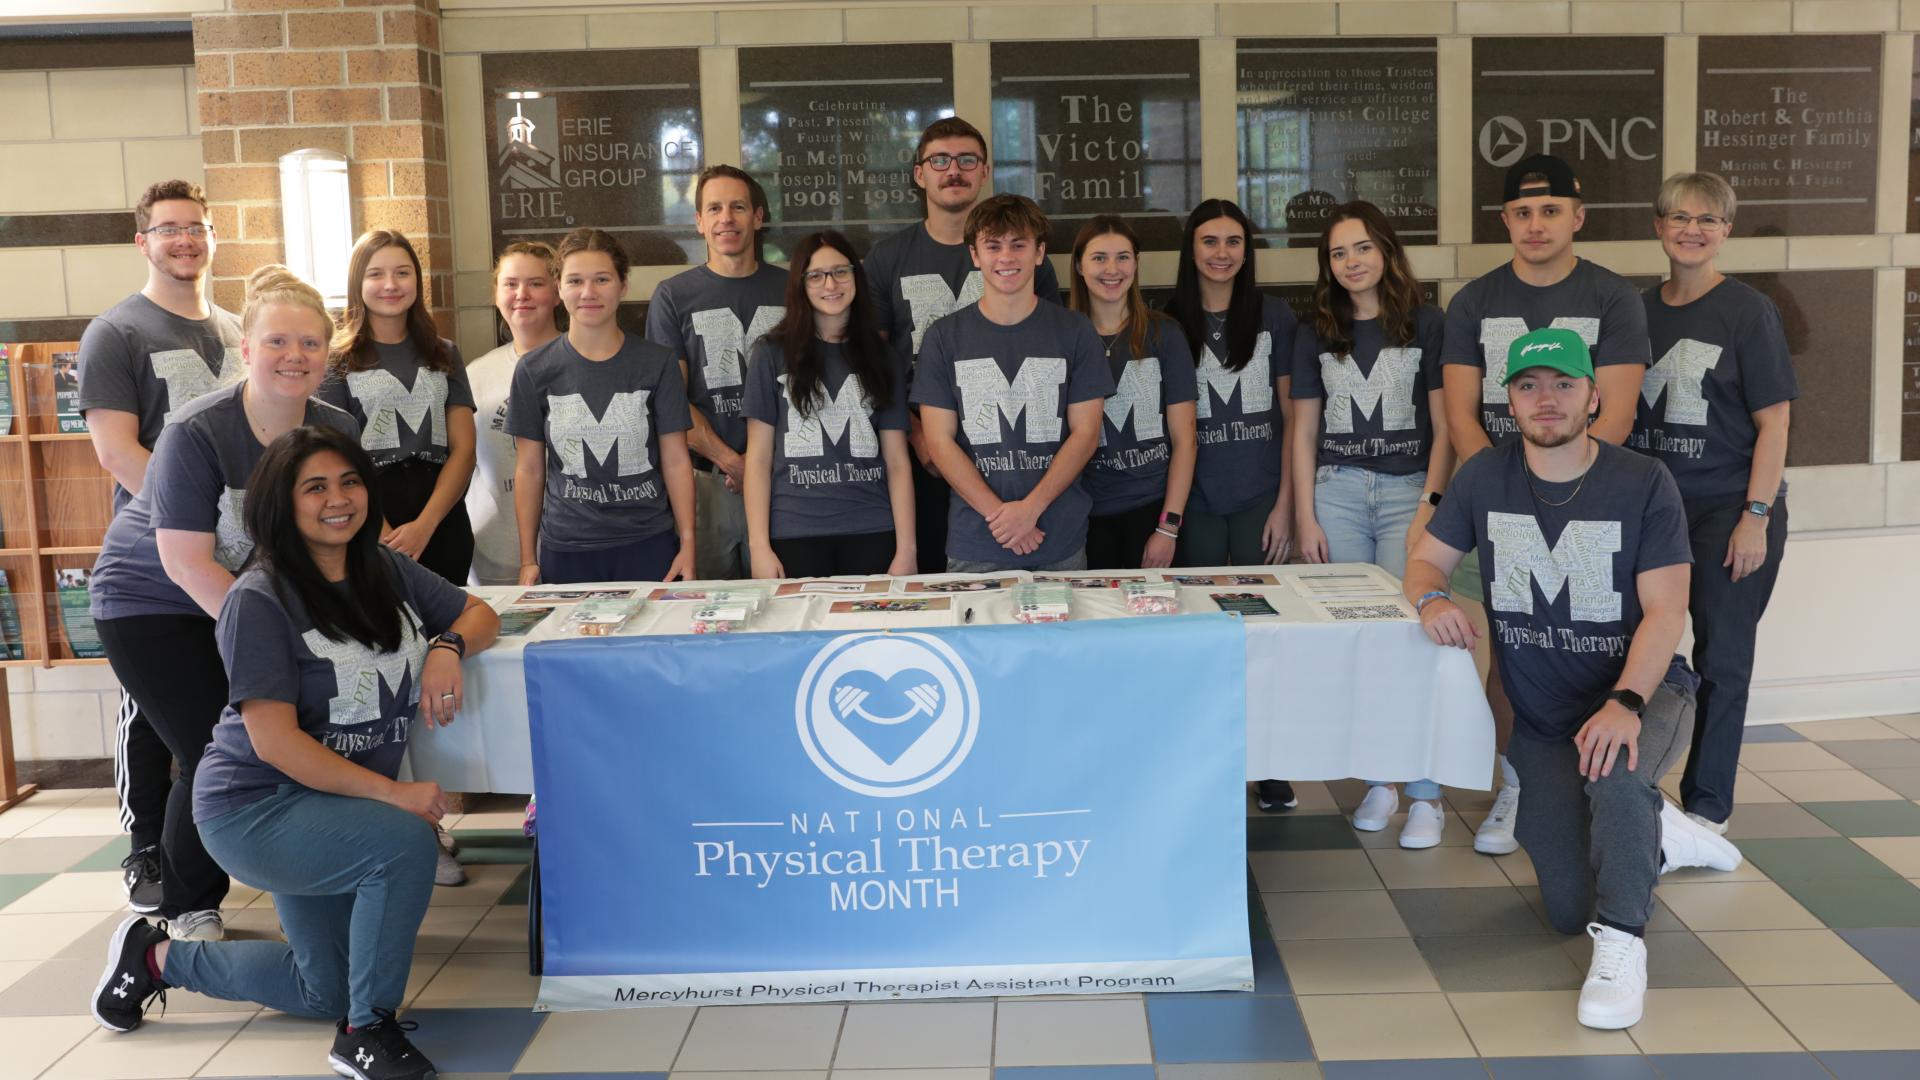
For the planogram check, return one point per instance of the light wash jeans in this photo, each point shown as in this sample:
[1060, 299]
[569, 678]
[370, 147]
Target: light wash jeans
[350, 880]
[1365, 515]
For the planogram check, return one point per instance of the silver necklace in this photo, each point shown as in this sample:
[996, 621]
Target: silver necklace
[1576, 488]
[1216, 324]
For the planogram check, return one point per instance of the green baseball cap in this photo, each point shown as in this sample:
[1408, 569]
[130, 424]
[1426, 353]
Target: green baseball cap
[1554, 347]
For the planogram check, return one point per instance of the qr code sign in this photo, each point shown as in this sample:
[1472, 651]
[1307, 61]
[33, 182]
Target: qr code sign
[1349, 612]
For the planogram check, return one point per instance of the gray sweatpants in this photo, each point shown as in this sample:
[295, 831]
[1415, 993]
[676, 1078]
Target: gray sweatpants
[1596, 844]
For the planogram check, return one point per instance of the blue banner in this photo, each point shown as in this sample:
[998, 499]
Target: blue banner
[879, 815]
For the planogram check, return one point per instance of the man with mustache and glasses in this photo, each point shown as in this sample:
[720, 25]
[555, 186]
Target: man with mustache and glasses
[1584, 549]
[710, 316]
[140, 361]
[924, 272]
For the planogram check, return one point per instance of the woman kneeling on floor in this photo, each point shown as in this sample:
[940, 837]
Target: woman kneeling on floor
[332, 644]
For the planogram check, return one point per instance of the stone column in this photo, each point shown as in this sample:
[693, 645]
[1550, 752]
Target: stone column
[361, 77]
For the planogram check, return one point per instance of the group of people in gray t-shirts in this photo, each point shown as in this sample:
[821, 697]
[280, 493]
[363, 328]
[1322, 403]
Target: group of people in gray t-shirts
[932, 406]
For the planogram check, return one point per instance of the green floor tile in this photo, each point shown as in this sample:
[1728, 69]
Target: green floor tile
[1876, 817]
[1301, 832]
[15, 886]
[109, 857]
[1814, 859]
[1848, 904]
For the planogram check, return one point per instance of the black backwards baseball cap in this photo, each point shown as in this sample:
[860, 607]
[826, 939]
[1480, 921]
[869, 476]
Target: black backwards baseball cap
[1560, 182]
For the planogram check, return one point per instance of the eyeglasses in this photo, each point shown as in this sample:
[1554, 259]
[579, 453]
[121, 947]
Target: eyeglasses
[943, 162]
[842, 273]
[170, 232]
[1707, 222]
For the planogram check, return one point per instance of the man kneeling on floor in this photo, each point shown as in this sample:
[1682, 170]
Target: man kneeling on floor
[1584, 549]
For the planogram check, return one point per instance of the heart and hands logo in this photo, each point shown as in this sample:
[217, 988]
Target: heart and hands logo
[887, 714]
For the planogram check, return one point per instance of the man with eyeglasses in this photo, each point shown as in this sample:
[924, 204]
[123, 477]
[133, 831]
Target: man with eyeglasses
[710, 316]
[1715, 410]
[140, 362]
[925, 272]
[1544, 285]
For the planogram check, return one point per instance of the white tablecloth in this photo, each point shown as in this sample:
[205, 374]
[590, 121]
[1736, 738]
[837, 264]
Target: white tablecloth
[1332, 692]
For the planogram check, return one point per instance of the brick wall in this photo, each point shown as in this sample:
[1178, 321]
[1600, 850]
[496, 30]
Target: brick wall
[361, 77]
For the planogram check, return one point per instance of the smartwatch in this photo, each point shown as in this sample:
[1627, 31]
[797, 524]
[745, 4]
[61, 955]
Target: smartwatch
[1431, 498]
[1760, 509]
[1171, 520]
[452, 641]
[1631, 701]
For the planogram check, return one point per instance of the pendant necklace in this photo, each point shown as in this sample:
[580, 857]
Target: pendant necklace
[1576, 488]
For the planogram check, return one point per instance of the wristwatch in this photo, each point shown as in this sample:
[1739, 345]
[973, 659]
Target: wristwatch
[1760, 509]
[1171, 520]
[1629, 700]
[1431, 498]
[452, 641]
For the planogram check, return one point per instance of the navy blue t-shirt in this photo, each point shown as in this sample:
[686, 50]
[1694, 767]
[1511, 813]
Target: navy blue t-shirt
[1376, 413]
[1721, 359]
[1239, 428]
[1562, 590]
[1130, 468]
[1011, 386]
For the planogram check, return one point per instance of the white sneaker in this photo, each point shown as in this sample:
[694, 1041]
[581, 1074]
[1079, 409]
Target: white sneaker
[1616, 986]
[1685, 842]
[447, 869]
[1495, 835]
[447, 843]
[1719, 827]
[197, 926]
[1425, 824]
[1381, 803]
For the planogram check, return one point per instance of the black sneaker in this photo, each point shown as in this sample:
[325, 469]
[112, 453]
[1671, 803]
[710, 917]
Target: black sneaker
[140, 873]
[1276, 797]
[120, 1001]
[379, 1051]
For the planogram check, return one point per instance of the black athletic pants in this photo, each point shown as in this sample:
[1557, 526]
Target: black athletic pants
[1117, 541]
[828, 556]
[930, 497]
[404, 491]
[142, 772]
[171, 666]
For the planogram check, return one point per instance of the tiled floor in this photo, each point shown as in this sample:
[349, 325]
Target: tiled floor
[1374, 963]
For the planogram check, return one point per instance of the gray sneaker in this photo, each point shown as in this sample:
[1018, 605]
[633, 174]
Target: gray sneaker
[197, 926]
[447, 869]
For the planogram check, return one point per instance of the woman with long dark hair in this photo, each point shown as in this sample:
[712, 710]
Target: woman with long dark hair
[332, 644]
[171, 553]
[1142, 474]
[603, 484]
[828, 486]
[1241, 509]
[1370, 453]
[407, 386]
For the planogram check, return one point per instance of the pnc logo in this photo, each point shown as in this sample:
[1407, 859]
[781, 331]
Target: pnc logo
[1505, 140]
[887, 714]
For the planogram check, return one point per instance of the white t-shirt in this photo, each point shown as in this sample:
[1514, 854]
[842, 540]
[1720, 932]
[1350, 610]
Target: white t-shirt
[496, 532]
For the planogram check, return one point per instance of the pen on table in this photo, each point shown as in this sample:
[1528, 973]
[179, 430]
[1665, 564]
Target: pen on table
[969, 616]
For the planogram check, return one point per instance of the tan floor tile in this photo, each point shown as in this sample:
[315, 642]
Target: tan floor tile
[26, 816]
[1437, 868]
[500, 819]
[1357, 966]
[762, 1037]
[1700, 875]
[41, 937]
[421, 972]
[1517, 867]
[1458, 832]
[1355, 1027]
[501, 930]
[1847, 1017]
[478, 981]
[1787, 757]
[173, 1046]
[274, 1044]
[1313, 871]
[1333, 915]
[1907, 724]
[1829, 785]
[45, 854]
[1863, 727]
[1736, 905]
[743, 1074]
[922, 1074]
[1902, 853]
[35, 1042]
[916, 1035]
[11, 971]
[1533, 1023]
[624, 1039]
[486, 882]
[447, 929]
[1748, 788]
[64, 893]
[1708, 1021]
[76, 821]
[56, 987]
[1790, 957]
[1071, 1032]
[1266, 1070]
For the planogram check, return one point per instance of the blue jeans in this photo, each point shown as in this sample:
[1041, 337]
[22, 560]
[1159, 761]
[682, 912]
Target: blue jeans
[1365, 515]
[350, 880]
